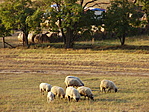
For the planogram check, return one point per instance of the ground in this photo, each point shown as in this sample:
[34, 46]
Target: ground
[22, 70]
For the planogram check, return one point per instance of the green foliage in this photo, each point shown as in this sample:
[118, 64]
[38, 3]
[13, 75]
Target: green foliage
[118, 18]
[68, 13]
[3, 31]
[34, 21]
[42, 4]
[146, 7]
[69, 17]
[15, 15]
[20, 14]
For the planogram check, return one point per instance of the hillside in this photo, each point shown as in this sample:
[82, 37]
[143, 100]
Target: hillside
[104, 5]
[101, 3]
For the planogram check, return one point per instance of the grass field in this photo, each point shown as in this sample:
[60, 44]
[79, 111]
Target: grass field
[22, 70]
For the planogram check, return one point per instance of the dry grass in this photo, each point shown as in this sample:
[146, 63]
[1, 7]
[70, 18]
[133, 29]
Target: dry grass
[22, 70]
[19, 92]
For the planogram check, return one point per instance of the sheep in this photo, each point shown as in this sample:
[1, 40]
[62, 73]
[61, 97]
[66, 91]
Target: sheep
[72, 93]
[58, 91]
[107, 84]
[73, 81]
[86, 92]
[31, 37]
[45, 87]
[41, 38]
[50, 97]
[21, 36]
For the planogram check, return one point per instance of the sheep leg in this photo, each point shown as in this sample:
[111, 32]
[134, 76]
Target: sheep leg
[77, 99]
[59, 96]
[69, 98]
[109, 90]
[101, 90]
[41, 91]
[104, 90]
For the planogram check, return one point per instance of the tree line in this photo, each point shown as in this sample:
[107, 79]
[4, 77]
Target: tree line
[121, 18]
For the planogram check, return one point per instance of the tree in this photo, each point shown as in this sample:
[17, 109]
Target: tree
[146, 10]
[3, 33]
[20, 14]
[68, 16]
[145, 7]
[118, 19]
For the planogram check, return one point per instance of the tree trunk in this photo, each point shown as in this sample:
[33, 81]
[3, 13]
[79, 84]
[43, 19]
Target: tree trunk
[4, 42]
[69, 39]
[122, 39]
[25, 39]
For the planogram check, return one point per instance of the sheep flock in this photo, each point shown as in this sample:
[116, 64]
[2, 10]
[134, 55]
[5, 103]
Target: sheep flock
[75, 88]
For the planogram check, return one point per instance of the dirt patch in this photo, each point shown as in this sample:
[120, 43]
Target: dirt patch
[76, 72]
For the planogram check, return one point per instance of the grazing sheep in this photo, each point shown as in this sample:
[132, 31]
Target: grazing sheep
[58, 91]
[50, 97]
[31, 37]
[107, 84]
[45, 87]
[86, 92]
[21, 36]
[41, 38]
[72, 93]
[73, 81]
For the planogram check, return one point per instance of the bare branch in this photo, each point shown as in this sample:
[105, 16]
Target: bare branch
[98, 4]
[81, 3]
[89, 3]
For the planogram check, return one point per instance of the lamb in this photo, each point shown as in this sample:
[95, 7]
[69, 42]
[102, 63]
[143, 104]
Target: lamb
[72, 93]
[73, 81]
[86, 92]
[107, 84]
[58, 91]
[50, 97]
[45, 87]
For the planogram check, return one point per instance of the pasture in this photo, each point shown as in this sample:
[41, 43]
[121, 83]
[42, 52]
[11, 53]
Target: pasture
[22, 70]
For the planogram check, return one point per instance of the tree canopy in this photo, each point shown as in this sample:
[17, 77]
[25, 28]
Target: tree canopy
[20, 14]
[69, 17]
[119, 18]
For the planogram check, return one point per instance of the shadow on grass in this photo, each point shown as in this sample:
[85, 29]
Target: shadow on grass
[124, 47]
[96, 47]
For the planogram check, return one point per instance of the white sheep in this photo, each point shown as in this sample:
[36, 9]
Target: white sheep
[107, 84]
[45, 87]
[86, 92]
[58, 91]
[72, 93]
[50, 97]
[73, 81]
